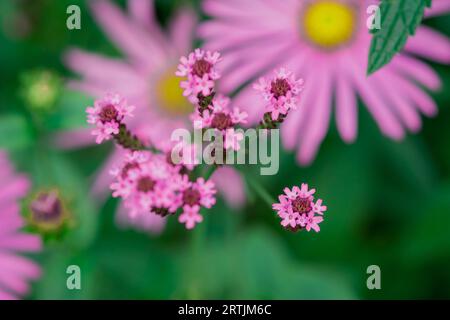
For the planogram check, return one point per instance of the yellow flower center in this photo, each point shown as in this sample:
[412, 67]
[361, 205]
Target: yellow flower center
[329, 24]
[169, 95]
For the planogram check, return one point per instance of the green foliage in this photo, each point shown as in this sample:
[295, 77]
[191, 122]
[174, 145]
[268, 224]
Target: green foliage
[399, 19]
[14, 132]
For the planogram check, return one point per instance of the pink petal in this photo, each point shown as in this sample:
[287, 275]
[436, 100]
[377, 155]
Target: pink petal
[430, 44]
[346, 109]
[416, 70]
[438, 7]
[128, 36]
[385, 119]
[318, 121]
[182, 30]
[384, 82]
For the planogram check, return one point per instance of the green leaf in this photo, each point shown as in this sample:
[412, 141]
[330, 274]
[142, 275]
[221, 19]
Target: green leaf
[399, 19]
[14, 132]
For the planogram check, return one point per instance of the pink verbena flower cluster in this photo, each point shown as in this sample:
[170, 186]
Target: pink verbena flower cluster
[150, 183]
[298, 210]
[218, 116]
[107, 115]
[199, 69]
[212, 111]
[280, 92]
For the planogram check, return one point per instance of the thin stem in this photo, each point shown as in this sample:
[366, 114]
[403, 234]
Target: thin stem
[128, 140]
[262, 192]
[208, 172]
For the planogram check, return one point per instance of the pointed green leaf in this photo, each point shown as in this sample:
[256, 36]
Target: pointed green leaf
[399, 19]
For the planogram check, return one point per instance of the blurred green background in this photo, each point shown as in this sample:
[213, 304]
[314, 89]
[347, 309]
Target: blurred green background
[389, 202]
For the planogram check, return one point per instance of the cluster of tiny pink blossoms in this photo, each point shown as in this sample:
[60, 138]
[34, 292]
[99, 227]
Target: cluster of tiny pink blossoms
[153, 182]
[107, 115]
[298, 210]
[200, 70]
[280, 92]
[150, 183]
[193, 196]
[218, 116]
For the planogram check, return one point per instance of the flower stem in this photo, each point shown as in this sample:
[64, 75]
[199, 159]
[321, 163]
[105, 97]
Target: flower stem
[128, 140]
[262, 192]
[208, 172]
[268, 123]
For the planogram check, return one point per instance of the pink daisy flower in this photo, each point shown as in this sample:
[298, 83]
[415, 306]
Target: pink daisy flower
[15, 270]
[146, 77]
[298, 210]
[280, 92]
[107, 115]
[326, 41]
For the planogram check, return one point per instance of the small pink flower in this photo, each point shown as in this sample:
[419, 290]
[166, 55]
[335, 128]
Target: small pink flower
[283, 206]
[204, 85]
[199, 69]
[190, 216]
[107, 114]
[218, 116]
[319, 208]
[200, 192]
[280, 92]
[239, 116]
[312, 222]
[233, 139]
[289, 218]
[298, 210]
[305, 192]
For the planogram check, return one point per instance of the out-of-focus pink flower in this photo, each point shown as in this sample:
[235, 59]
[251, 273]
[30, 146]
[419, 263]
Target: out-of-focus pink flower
[280, 92]
[107, 114]
[327, 43]
[15, 270]
[298, 210]
[145, 76]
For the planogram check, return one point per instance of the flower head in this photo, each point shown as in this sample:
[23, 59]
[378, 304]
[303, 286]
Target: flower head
[280, 92]
[193, 196]
[107, 115]
[223, 120]
[41, 89]
[147, 183]
[298, 210]
[200, 70]
[326, 41]
[47, 212]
